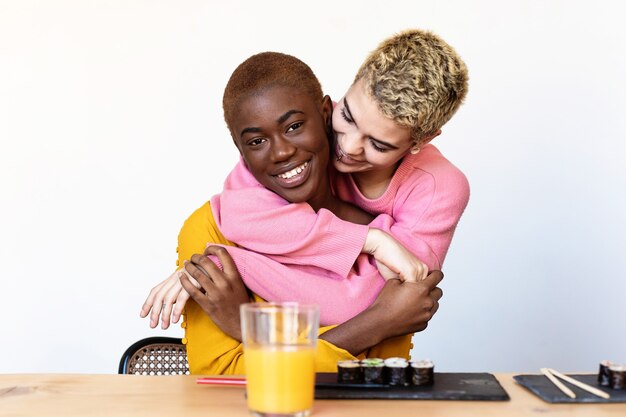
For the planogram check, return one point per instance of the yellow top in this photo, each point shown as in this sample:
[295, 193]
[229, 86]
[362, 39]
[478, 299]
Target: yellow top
[210, 351]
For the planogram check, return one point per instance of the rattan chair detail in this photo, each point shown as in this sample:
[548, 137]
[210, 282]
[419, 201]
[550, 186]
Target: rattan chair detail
[155, 356]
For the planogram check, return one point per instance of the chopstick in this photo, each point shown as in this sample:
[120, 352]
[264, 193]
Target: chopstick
[580, 385]
[221, 381]
[558, 383]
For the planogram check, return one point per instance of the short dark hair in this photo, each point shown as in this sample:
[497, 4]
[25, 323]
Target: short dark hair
[268, 69]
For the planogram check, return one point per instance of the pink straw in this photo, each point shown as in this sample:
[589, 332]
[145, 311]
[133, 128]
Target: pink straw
[221, 381]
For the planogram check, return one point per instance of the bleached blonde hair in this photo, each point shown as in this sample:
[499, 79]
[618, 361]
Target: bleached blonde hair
[417, 79]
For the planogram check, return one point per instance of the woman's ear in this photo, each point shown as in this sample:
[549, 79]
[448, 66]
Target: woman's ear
[415, 148]
[428, 138]
[327, 112]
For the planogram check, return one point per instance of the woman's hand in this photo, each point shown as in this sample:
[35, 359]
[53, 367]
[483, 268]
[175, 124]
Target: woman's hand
[221, 292]
[166, 299]
[407, 307]
[392, 258]
[400, 308]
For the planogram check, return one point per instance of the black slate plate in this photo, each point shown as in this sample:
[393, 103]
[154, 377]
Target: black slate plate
[547, 391]
[447, 386]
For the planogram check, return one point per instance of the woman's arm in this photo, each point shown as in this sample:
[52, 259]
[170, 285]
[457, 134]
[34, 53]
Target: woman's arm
[339, 298]
[422, 207]
[400, 308]
[293, 233]
[211, 351]
[221, 291]
[427, 209]
[393, 260]
[259, 220]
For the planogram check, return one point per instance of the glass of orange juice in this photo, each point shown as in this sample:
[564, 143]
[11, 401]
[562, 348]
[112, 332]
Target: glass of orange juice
[279, 342]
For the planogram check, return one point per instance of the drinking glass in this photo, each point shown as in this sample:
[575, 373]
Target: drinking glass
[279, 348]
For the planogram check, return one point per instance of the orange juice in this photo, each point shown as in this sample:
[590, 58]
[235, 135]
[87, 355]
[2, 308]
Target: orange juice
[280, 379]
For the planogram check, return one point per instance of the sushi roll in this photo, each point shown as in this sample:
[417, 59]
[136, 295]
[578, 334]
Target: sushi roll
[373, 371]
[349, 372]
[617, 376]
[422, 372]
[603, 373]
[396, 371]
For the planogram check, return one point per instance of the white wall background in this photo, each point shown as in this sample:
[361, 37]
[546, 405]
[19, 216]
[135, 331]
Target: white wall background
[111, 135]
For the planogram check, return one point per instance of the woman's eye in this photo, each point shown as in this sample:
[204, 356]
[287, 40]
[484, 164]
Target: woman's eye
[294, 126]
[378, 148]
[345, 115]
[256, 141]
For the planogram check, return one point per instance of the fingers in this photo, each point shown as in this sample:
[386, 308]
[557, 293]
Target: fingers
[436, 294]
[419, 274]
[433, 306]
[191, 289]
[434, 309]
[412, 276]
[167, 300]
[422, 272]
[160, 298]
[228, 265]
[166, 310]
[183, 271]
[416, 271]
[180, 305]
[215, 283]
[147, 305]
[207, 269]
[421, 327]
[431, 298]
[433, 279]
[171, 298]
[393, 283]
[198, 273]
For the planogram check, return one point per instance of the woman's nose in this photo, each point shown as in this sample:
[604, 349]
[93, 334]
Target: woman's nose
[282, 149]
[351, 144]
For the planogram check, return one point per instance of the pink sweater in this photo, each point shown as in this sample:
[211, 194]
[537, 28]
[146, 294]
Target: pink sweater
[315, 257]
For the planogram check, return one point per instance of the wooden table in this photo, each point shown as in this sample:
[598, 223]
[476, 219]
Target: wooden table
[130, 395]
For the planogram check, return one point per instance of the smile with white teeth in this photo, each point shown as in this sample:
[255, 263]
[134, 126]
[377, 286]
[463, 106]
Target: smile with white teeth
[293, 172]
